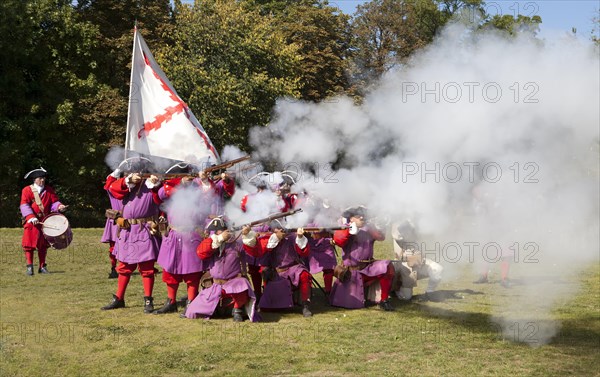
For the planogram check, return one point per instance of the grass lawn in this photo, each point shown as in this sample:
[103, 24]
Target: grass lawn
[51, 325]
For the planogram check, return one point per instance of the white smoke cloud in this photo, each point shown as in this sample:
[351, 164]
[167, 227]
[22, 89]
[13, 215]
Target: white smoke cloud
[480, 138]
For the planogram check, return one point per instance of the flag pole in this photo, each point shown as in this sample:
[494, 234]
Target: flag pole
[130, 88]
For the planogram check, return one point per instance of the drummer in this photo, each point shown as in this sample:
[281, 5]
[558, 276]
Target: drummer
[38, 200]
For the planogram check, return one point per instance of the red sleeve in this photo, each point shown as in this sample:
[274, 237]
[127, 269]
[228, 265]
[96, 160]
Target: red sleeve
[341, 237]
[244, 202]
[155, 196]
[170, 186]
[204, 249]
[109, 181]
[302, 252]
[260, 248]
[118, 189]
[229, 187]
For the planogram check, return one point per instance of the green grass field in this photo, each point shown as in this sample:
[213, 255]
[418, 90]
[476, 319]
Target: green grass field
[51, 325]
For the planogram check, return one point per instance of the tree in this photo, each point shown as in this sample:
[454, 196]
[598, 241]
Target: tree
[321, 33]
[47, 74]
[514, 25]
[230, 65]
[387, 32]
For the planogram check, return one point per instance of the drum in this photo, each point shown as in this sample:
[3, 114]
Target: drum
[57, 231]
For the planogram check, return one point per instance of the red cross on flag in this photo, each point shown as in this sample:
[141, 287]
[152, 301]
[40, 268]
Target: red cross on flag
[159, 123]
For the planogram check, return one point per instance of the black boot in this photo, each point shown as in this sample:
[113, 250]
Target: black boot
[481, 280]
[30, 269]
[386, 305]
[168, 307]
[305, 310]
[237, 315]
[114, 304]
[187, 303]
[148, 304]
[113, 274]
[43, 269]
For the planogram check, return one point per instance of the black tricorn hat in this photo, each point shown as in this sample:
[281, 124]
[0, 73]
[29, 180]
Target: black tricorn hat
[180, 168]
[36, 173]
[218, 223]
[355, 212]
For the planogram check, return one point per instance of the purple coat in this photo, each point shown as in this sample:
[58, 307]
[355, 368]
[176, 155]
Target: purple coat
[277, 293]
[177, 254]
[110, 228]
[226, 265]
[322, 255]
[351, 293]
[136, 244]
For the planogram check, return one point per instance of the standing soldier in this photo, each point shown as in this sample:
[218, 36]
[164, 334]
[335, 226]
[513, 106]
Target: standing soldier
[357, 255]
[228, 273]
[37, 201]
[110, 228]
[177, 255]
[137, 243]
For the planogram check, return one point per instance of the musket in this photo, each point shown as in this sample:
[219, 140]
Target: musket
[222, 166]
[268, 219]
[314, 229]
[225, 165]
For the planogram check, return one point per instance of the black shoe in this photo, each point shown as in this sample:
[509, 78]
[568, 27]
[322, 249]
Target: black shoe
[114, 304]
[187, 303]
[386, 305]
[168, 307]
[482, 279]
[43, 269]
[237, 315]
[148, 304]
[30, 269]
[505, 283]
[113, 274]
[305, 310]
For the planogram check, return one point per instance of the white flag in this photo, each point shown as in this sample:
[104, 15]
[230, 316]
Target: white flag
[159, 123]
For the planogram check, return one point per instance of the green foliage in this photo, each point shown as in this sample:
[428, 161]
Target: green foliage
[387, 32]
[230, 65]
[514, 25]
[321, 33]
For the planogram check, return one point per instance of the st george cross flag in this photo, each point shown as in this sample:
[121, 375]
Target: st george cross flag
[159, 123]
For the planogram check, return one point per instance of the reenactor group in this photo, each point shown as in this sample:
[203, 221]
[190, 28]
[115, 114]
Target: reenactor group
[180, 223]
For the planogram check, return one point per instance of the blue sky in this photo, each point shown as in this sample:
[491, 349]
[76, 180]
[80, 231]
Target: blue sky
[558, 16]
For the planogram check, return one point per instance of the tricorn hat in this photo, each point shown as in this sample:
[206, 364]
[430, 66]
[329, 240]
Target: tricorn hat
[36, 173]
[218, 223]
[180, 168]
[136, 165]
[359, 211]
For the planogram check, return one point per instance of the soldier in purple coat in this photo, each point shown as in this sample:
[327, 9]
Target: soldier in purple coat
[110, 228]
[137, 244]
[286, 269]
[177, 255]
[229, 275]
[357, 245]
[322, 256]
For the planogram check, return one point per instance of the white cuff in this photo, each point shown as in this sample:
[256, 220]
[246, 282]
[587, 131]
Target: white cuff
[353, 228]
[301, 241]
[249, 239]
[116, 173]
[130, 185]
[273, 241]
[151, 185]
[217, 241]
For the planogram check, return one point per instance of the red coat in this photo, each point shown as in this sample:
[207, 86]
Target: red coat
[32, 235]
